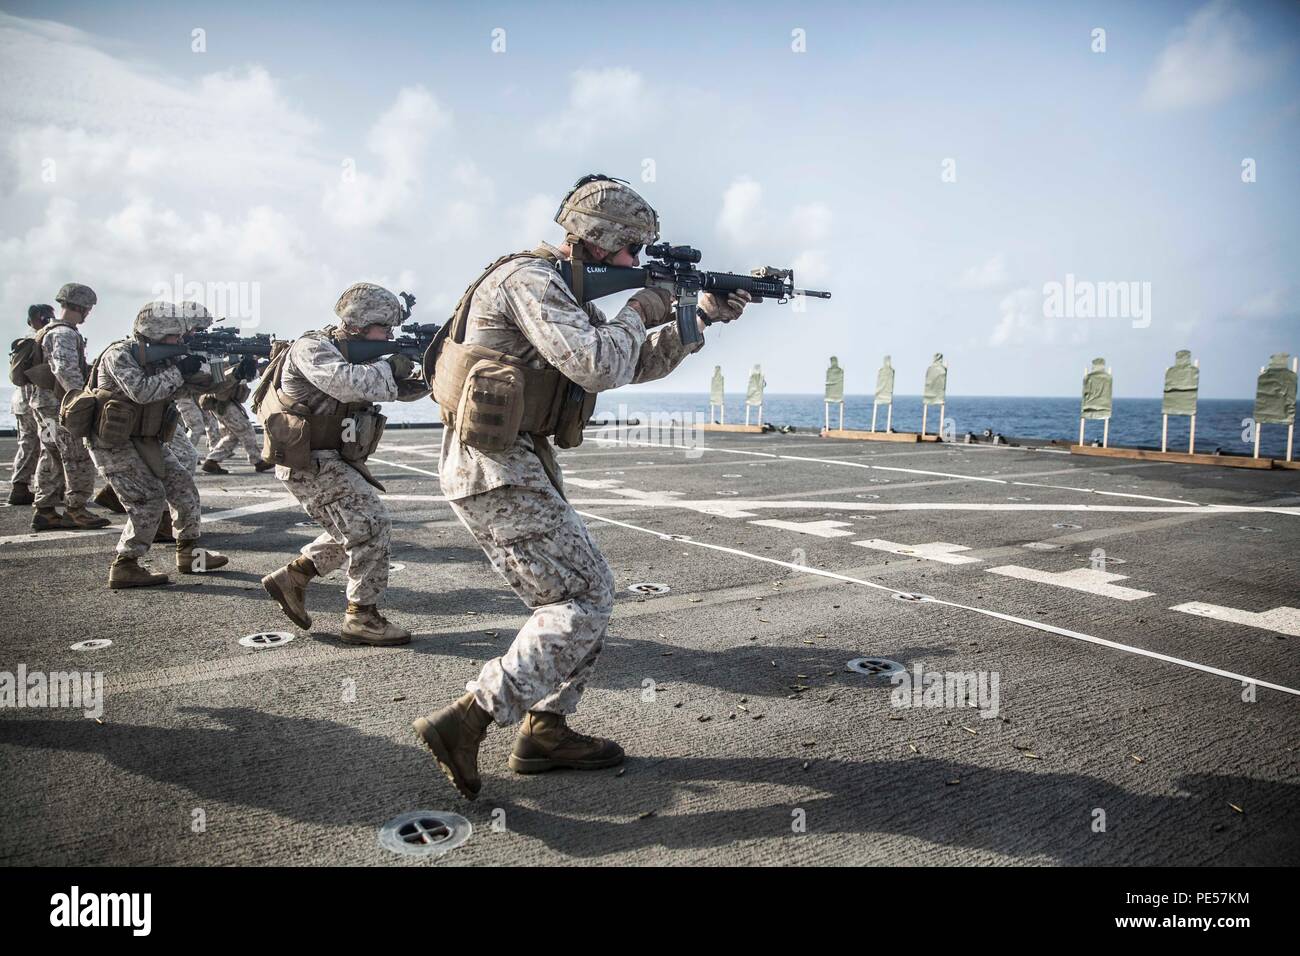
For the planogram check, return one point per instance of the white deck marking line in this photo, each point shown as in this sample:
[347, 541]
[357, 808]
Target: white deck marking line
[933, 551]
[398, 464]
[1036, 625]
[1088, 580]
[1281, 620]
[854, 464]
[821, 529]
[34, 537]
[284, 501]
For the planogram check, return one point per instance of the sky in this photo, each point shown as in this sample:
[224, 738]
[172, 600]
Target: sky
[936, 166]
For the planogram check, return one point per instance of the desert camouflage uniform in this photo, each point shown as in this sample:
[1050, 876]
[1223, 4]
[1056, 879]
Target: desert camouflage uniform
[29, 445]
[142, 493]
[357, 527]
[184, 450]
[65, 470]
[197, 421]
[236, 429]
[513, 504]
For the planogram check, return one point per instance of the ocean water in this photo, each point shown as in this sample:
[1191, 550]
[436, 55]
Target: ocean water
[1221, 424]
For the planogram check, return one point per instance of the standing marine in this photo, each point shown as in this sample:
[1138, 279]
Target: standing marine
[321, 422]
[29, 443]
[64, 470]
[130, 419]
[519, 365]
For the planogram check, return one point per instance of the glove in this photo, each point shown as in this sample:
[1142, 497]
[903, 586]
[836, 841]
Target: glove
[402, 366]
[189, 364]
[718, 309]
[247, 369]
[654, 304]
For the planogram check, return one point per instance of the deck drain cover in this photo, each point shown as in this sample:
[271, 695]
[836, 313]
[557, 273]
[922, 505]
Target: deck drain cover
[1255, 527]
[731, 476]
[266, 639]
[393, 568]
[873, 497]
[875, 666]
[649, 587]
[1041, 546]
[94, 644]
[910, 597]
[1066, 526]
[879, 481]
[425, 833]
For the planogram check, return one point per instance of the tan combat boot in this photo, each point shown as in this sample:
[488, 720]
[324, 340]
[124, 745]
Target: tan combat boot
[48, 519]
[546, 742]
[191, 559]
[289, 588]
[20, 494]
[363, 624]
[81, 518]
[126, 572]
[453, 734]
[107, 498]
[164, 534]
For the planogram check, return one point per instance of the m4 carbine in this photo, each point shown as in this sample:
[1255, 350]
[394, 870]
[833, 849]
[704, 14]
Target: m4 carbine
[413, 341]
[674, 268]
[212, 342]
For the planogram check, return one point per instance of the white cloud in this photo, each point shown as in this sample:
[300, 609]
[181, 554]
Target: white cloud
[991, 275]
[605, 104]
[1272, 304]
[811, 223]
[399, 142]
[533, 221]
[1021, 322]
[1209, 61]
[739, 219]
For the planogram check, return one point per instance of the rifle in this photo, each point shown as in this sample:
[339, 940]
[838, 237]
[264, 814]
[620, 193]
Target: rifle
[673, 268]
[413, 343]
[212, 342]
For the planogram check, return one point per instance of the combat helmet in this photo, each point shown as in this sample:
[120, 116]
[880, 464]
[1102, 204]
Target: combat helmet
[195, 316]
[608, 213]
[365, 303]
[157, 319]
[77, 295]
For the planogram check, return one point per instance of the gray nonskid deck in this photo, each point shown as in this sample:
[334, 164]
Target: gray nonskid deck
[749, 741]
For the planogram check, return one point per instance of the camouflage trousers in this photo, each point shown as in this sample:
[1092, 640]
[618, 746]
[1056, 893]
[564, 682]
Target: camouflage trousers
[539, 544]
[184, 451]
[357, 529]
[235, 430]
[144, 496]
[199, 423]
[29, 449]
[64, 472]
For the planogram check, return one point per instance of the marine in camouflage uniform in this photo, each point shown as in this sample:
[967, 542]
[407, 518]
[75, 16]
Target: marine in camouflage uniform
[513, 501]
[29, 443]
[64, 471]
[143, 469]
[315, 380]
[198, 422]
[225, 402]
